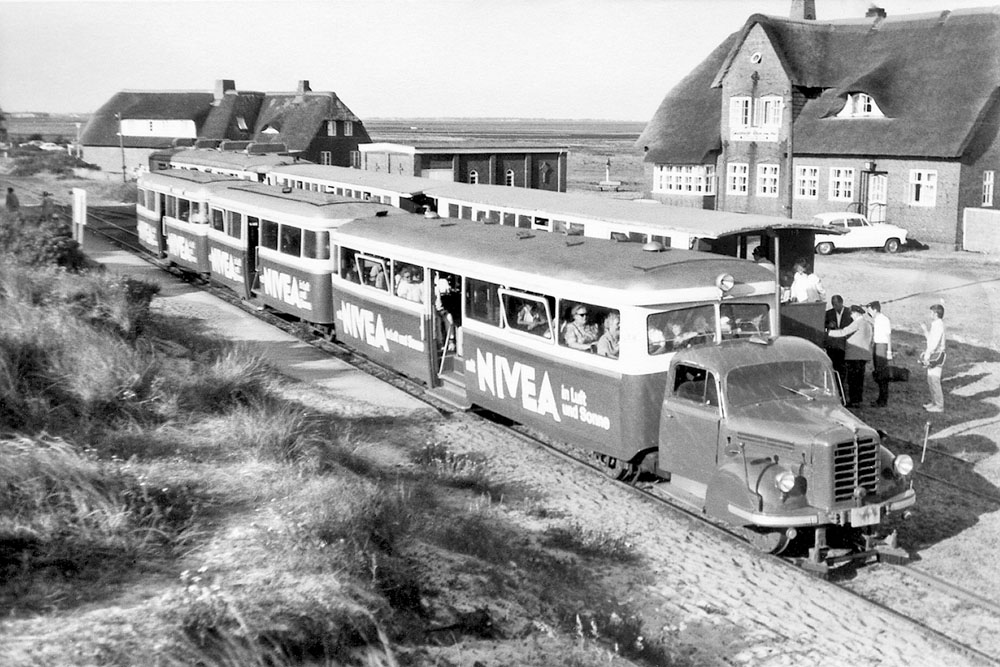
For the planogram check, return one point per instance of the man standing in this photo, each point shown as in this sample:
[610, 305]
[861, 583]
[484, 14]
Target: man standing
[12, 203]
[806, 287]
[837, 317]
[881, 351]
[859, 350]
[933, 357]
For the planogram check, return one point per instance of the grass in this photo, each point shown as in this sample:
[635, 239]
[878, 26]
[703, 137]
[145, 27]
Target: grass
[160, 495]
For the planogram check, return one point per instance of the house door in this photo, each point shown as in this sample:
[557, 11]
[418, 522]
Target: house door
[877, 186]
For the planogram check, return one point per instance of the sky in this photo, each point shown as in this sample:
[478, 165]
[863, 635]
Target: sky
[577, 59]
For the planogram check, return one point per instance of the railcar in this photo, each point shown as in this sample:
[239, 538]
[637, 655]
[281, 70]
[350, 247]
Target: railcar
[244, 165]
[748, 427]
[405, 192]
[274, 245]
[171, 212]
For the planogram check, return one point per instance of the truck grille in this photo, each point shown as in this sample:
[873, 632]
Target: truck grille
[853, 466]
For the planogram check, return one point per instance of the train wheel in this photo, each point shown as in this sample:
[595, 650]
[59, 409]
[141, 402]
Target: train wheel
[768, 541]
[617, 469]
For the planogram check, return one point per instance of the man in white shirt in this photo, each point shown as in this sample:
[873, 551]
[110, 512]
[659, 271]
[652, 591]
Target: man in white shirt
[881, 351]
[806, 286]
[933, 357]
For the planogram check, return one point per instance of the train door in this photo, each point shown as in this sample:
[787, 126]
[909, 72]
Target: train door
[250, 263]
[447, 326]
[161, 228]
[689, 428]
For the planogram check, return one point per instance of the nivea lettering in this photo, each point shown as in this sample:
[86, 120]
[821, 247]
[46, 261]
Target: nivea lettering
[225, 265]
[181, 247]
[286, 288]
[501, 378]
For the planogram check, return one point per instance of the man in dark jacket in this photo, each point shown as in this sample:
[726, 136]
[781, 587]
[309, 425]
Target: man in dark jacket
[837, 317]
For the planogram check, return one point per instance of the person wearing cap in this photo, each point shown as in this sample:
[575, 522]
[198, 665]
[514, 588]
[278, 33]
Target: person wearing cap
[881, 351]
[12, 202]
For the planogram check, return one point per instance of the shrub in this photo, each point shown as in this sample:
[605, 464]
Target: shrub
[31, 161]
[38, 241]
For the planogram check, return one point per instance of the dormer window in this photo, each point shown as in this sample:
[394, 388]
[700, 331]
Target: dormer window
[860, 105]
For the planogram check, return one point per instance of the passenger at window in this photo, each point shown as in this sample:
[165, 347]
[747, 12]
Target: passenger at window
[531, 317]
[680, 338]
[412, 287]
[376, 277]
[657, 340]
[401, 283]
[806, 287]
[576, 333]
[607, 344]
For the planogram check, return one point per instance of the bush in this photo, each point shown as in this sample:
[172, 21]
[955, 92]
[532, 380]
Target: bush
[29, 162]
[37, 241]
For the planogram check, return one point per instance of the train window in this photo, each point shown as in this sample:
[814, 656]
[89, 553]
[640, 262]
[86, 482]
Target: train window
[290, 240]
[589, 328]
[453, 211]
[218, 220]
[316, 245]
[269, 234]
[531, 313]
[349, 266]
[575, 229]
[466, 213]
[637, 237]
[662, 240]
[140, 197]
[408, 281]
[198, 212]
[541, 223]
[621, 237]
[373, 270]
[695, 384]
[171, 210]
[677, 329]
[509, 219]
[340, 192]
[234, 225]
[524, 221]
[183, 210]
[482, 301]
[743, 320]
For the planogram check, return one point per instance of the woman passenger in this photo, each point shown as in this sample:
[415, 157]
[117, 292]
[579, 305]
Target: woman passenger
[607, 344]
[576, 333]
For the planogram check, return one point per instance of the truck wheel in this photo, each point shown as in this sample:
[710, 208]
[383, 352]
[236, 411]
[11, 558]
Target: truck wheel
[824, 248]
[892, 245]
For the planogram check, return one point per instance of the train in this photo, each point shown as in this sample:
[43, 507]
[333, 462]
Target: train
[782, 241]
[662, 361]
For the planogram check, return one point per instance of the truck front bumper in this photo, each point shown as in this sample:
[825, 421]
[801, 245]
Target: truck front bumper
[865, 515]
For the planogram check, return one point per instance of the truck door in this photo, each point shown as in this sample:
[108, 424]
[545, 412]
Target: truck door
[689, 428]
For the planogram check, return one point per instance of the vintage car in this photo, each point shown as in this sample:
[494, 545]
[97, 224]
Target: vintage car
[860, 233]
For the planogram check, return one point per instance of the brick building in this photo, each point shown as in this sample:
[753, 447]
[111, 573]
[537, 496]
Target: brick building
[895, 117]
[539, 168]
[312, 125]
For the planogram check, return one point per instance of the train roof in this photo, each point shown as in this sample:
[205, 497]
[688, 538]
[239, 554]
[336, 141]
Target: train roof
[184, 176]
[276, 202]
[233, 160]
[407, 185]
[698, 222]
[540, 257]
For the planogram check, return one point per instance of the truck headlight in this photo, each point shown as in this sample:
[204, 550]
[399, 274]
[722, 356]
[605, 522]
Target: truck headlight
[903, 465]
[785, 481]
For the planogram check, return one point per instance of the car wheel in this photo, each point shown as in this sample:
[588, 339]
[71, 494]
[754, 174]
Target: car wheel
[824, 248]
[892, 245]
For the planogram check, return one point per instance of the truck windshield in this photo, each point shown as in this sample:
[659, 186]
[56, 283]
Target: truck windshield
[807, 380]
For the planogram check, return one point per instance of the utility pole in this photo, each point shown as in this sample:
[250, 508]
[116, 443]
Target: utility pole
[121, 144]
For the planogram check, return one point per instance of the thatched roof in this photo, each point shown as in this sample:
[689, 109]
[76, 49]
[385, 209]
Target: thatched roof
[933, 75]
[102, 128]
[298, 117]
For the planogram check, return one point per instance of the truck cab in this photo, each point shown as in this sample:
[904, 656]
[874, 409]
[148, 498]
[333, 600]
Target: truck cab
[755, 433]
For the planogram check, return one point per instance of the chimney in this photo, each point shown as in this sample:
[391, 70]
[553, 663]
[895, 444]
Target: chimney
[221, 87]
[803, 10]
[875, 13]
[300, 93]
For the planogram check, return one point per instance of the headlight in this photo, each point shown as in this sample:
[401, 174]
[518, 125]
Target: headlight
[785, 481]
[903, 465]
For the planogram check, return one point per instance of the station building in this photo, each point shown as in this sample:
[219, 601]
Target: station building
[311, 125]
[896, 117]
[539, 168]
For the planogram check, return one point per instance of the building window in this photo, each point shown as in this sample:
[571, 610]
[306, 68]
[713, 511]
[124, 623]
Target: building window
[474, 177]
[739, 111]
[860, 105]
[508, 178]
[348, 128]
[241, 123]
[988, 188]
[807, 182]
[841, 184]
[923, 187]
[325, 157]
[331, 128]
[736, 178]
[769, 111]
[685, 179]
[356, 159]
[767, 180]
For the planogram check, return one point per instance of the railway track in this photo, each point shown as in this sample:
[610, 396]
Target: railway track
[955, 633]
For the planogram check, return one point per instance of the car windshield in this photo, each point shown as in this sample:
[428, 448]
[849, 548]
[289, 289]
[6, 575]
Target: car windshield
[760, 383]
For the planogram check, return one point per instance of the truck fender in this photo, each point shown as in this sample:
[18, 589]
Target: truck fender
[728, 486]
